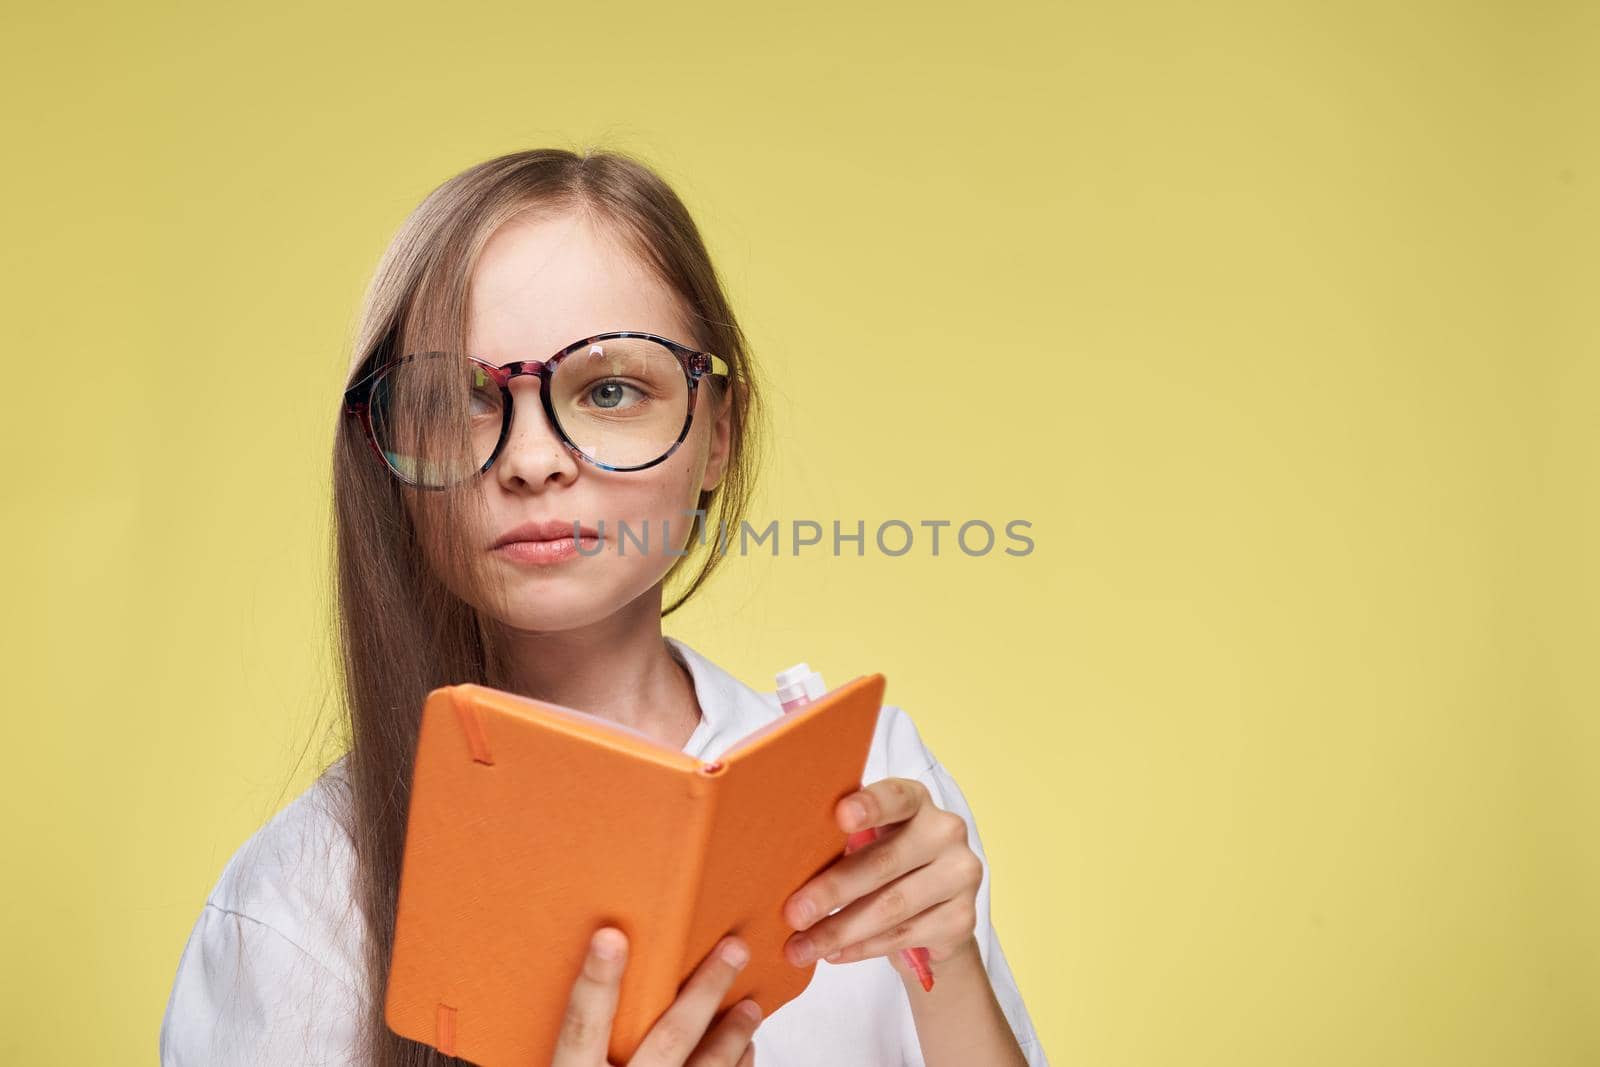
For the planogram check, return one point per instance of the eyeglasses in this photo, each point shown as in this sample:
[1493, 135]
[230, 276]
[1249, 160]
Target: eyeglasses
[622, 401]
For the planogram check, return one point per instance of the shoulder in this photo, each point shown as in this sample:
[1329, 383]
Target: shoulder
[295, 877]
[898, 750]
[292, 883]
[273, 960]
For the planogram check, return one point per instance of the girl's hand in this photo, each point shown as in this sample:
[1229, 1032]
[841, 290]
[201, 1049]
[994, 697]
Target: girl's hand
[914, 887]
[679, 1037]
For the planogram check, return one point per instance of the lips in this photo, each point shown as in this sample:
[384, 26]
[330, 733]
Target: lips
[546, 530]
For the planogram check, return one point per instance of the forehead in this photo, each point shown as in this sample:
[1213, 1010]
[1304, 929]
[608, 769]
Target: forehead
[545, 281]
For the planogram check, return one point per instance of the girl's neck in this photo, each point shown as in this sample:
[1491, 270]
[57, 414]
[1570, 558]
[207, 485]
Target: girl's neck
[617, 671]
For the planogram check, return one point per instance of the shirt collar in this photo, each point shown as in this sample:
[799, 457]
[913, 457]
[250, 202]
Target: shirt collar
[729, 709]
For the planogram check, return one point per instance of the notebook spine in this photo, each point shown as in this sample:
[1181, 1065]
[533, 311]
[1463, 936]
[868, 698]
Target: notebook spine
[679, 902]
[703, 788]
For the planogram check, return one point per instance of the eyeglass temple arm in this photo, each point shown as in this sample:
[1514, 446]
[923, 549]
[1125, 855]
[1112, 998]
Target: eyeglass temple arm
[718, 364]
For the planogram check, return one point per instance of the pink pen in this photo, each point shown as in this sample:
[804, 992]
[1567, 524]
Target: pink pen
[797, 687]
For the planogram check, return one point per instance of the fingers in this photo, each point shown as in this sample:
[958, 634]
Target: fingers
[889, 800]
[884, 911]
[930, 834]
[675, 1036]
[729, 1043]
[586, 1027]
[948, 923]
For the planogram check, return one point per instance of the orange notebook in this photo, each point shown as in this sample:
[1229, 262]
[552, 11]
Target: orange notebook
[531, 825]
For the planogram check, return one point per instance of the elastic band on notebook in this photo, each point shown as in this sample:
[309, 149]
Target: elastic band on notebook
[445, 1024]
[471, 719]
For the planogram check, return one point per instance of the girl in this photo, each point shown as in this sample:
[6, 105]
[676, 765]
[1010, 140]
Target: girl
[607, 386]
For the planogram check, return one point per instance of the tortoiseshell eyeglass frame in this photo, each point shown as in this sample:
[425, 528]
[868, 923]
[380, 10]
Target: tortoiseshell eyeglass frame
[695, 364]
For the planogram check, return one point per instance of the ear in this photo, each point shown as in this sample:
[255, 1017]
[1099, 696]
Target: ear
[721, 433]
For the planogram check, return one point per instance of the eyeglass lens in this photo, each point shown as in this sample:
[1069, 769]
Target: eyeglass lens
[622, 402]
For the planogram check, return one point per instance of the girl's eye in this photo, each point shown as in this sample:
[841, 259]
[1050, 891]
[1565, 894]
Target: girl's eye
[485, 395]
[609, 394]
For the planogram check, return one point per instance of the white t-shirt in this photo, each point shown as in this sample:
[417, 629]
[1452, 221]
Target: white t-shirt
[272, 971]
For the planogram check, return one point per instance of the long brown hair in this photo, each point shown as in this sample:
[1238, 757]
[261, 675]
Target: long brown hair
[401, 626]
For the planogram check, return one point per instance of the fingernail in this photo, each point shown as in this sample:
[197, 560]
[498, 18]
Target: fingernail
[802, 950]
[806, 910]
[735, 953]
[751, 1009]
[606, 948]
[854, 813]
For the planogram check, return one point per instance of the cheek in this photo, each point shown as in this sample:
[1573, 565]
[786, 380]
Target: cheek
[664, 496]
[666, 493]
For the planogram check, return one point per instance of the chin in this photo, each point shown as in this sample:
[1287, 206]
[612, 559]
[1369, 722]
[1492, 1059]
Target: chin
[565, 598]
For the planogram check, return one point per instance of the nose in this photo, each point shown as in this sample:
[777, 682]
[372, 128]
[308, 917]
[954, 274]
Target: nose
[534, 454]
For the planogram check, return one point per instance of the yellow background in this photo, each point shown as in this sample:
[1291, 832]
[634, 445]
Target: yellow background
[1274, 320]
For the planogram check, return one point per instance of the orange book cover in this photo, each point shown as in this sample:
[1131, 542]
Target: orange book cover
[531, 825]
